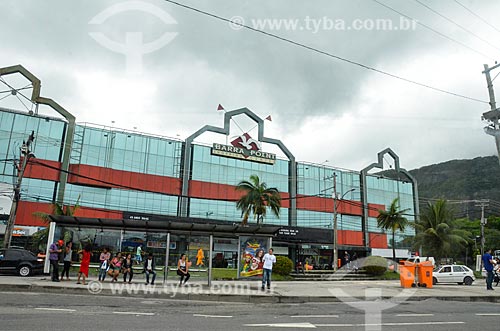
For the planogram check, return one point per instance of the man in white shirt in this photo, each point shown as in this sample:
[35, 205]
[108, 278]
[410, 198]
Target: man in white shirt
[269, 260]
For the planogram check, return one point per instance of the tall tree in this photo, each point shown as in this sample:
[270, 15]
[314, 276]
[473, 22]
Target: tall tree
[256, 199]
[437, 231]
[40, 238]
[392, 219]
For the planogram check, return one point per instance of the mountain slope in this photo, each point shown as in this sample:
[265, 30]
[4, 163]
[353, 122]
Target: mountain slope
[474, 179]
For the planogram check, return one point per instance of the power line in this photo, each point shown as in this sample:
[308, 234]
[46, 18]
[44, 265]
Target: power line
[364, 66]
[431, 29]
[476, 15]
[456, 24]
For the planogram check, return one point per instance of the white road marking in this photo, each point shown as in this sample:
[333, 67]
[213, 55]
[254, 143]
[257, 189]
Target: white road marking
[132, 313]
[285, 325]
[413, 315]
[56, 309]
[213, 316]
[389, 324]
[488, 314]
[315, 316]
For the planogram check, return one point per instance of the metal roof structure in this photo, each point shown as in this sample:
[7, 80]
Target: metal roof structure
[167, 224]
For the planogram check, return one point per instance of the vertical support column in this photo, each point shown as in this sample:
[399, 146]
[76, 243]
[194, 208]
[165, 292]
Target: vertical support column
[211, 247]
[50, 240]
[292, 190]
[238, 266]
[167, 257]
[121, 239]
[335, 225]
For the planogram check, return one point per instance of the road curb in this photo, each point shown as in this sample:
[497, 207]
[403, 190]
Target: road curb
[245, 298]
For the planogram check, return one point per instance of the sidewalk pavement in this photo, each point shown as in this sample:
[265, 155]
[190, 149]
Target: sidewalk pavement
[250, 291]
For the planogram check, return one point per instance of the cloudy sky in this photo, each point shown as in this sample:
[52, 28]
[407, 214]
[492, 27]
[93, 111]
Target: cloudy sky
[322, 108]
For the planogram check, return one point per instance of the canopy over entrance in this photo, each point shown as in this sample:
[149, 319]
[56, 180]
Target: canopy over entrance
[167, 224]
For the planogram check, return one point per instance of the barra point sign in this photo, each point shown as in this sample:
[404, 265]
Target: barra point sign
[246, 148]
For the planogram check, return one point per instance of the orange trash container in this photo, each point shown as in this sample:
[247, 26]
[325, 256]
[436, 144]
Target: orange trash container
[424, 272]
[407, 274]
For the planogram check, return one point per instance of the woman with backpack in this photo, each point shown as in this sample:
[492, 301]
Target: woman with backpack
[104, 266]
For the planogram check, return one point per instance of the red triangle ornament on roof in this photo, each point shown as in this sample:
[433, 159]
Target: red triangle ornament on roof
[220, 107]
[269, 118]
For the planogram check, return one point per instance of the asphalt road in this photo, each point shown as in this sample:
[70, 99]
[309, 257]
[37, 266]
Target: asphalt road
[41, 311]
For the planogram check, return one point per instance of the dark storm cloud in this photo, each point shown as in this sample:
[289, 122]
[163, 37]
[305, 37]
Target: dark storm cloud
[209, 62]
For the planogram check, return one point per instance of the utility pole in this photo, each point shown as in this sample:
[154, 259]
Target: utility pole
[492, 116]
[335, 241]
[482, 204]
[26, 155]
[335, 225]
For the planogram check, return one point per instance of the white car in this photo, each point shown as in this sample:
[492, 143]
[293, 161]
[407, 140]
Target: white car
[453, 274]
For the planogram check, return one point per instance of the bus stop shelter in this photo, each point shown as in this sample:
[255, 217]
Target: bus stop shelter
[165, 225]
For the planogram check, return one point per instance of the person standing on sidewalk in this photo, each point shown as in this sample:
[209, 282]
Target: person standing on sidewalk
[84, 264]
[104, 266]
[138, 254]
[54, 251]
[269, 260]
[488, 263]
[68, 252]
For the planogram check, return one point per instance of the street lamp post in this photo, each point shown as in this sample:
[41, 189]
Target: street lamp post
[335, 230]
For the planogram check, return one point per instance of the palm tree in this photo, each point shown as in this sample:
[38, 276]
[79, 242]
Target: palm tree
[438, 232]
[392, 219]
[256, 199]
[40, 238]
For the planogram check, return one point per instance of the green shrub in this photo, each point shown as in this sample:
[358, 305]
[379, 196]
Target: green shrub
[283, 266]
[375, 265]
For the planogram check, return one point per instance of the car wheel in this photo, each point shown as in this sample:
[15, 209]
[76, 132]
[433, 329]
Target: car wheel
[24, 271]
[468, 281]
[434, 281]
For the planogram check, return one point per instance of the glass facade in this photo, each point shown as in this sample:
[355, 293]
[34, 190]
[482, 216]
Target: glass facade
[317, 180]
[15, 128]
[126, 151]
[216, 169]
[382, 190]
[151, 157]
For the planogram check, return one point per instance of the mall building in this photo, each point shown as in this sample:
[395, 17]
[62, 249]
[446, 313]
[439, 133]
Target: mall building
[117, 174]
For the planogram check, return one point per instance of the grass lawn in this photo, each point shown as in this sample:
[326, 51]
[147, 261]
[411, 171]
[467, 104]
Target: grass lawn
[389, 275]
[217, 274]
[229, 274]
